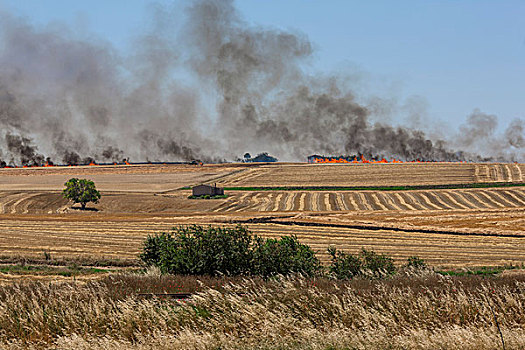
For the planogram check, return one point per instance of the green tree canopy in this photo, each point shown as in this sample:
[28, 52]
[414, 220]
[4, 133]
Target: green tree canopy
[81, 191]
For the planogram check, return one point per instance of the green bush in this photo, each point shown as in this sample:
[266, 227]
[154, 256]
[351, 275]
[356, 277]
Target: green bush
[344, 266]
[195, 250]
[347, 266]
[154, 248]
[283, 256]
[416, 263]
[378, 264]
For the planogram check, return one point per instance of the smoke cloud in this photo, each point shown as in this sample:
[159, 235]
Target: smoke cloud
[210, 89]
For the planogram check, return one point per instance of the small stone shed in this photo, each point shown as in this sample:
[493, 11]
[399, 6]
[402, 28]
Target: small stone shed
[202, 190]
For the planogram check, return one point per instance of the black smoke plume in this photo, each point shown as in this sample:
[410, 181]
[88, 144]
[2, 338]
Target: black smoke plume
[206, 86]
[21, 148]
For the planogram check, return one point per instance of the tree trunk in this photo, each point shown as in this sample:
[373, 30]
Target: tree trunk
[83, 206]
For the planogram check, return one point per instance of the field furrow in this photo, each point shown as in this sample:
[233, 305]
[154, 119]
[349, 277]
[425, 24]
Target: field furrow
[341, 202]
[363, 202]
[424, 198]
[384, 201]
[454, 200]
[377, 202]
[403, 202]
[505, 200]
[277, 202]
[290, 197]
[518, 199]
[519, 176]
[351, 201]
[409, 198]
[489, 199]
[389, 201]
[302, 201]
[329, 202]
[460, 197]
[510, 178]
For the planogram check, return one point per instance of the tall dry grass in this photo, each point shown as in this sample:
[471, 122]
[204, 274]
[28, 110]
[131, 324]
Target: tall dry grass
[422, 311]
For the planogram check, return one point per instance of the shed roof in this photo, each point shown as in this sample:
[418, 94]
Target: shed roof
[205, 185]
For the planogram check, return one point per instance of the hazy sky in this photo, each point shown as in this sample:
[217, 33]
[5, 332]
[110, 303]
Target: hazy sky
[456, 55]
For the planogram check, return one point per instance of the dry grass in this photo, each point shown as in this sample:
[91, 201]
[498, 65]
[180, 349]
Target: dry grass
[407, 312]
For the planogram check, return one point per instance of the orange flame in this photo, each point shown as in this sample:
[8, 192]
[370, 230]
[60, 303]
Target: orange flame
[362, 159]
[344, 160]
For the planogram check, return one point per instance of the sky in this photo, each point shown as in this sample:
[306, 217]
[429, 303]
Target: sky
[454, 56]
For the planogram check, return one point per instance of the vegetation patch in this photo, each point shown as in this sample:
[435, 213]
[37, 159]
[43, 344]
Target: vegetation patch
[207, 196]
[196, 250]
[368, 262]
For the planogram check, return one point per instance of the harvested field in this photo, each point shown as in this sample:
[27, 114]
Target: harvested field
[327, 201]
[42, 202]
[444, 226]
[406, 174]
[122, 237]
[494, 222]
[141, 169]
[51, 202]
[138, 178]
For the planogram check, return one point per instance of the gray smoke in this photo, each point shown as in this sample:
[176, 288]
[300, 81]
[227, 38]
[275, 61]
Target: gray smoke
[21, 148]
[478, 135]
[210, 87]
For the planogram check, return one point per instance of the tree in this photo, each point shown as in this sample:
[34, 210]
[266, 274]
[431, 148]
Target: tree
[81, 191]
